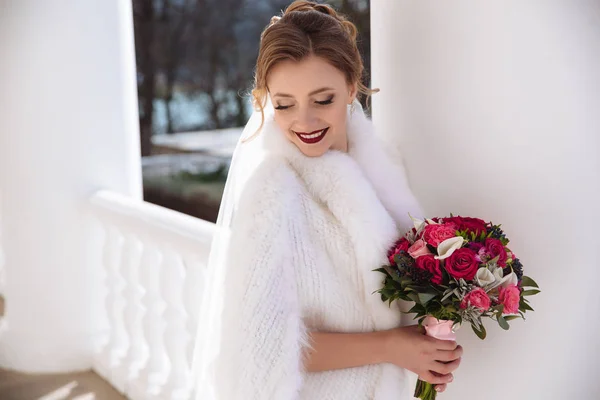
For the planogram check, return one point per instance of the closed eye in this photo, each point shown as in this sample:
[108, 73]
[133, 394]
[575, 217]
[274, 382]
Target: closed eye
[325, 102]
[282, 107]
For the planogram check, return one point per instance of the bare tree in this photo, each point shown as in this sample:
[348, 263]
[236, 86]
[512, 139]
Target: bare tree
[144, 15]
[212, 58]
[174, 27]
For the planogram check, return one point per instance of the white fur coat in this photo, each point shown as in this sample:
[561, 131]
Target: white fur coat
[306, 236]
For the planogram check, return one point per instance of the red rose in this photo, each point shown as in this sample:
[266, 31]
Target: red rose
[430, 264]
[462, 264]
[467, 223]
[495, 248]
[435, 234]
[400, 245]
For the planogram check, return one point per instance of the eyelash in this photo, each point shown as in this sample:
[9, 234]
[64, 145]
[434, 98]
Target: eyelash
[322, 103]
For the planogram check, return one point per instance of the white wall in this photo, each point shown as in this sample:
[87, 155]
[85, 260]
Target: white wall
[496, 109]
[68, 126]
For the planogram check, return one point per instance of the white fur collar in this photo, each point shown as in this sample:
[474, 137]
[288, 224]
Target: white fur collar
[360, 189]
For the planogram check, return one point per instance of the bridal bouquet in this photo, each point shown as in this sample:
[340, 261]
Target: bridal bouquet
[456, 270]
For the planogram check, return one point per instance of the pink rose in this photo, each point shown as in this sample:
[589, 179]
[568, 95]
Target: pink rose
[462, 264]
[399, 246]
[495, 248]
[430, 264]
[476, 298]
[418, 249]
[510, 297]
[467, 223]
[436, 234]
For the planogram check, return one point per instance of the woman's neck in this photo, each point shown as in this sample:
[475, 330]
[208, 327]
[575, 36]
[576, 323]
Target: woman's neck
[341, 144]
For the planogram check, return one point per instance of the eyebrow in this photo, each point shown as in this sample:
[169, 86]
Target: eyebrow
[324, 89]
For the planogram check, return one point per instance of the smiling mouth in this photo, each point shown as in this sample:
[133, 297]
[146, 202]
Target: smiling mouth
[312, 137]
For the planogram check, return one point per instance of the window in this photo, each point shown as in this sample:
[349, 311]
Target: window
[195, 64]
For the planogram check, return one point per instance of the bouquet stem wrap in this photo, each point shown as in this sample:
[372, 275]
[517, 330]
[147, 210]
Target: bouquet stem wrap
[439, 329]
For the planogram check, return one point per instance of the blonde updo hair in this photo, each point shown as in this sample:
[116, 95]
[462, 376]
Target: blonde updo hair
[307, 28]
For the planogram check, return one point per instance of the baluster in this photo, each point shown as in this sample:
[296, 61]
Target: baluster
[178, 385]
[110, 355]
[193, 292]
[153, 376]
[132, 314]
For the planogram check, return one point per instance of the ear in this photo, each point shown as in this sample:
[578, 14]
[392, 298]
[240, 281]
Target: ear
[353, 91]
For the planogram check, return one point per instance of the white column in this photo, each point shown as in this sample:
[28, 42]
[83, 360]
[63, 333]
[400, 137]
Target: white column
[68, 126]
[495, 107]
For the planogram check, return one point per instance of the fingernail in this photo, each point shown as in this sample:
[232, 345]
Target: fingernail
[438, 389]
[450, 379]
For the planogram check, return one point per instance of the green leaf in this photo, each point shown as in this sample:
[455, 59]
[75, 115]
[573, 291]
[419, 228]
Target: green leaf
[511, 317]
[528, 282]
[481, 334]
[417, 308]
[530, 292]
[413, 296]
[404, 282]
[524, 306]
[502, 322]
[424, 298]
[382, 270]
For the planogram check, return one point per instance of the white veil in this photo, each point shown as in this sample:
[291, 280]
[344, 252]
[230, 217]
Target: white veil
[248, 154]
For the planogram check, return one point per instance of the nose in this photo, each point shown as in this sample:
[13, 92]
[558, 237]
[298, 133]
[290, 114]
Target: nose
[305, 120]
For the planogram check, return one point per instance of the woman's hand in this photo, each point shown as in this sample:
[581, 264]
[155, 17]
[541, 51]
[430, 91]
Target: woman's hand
[432, 359]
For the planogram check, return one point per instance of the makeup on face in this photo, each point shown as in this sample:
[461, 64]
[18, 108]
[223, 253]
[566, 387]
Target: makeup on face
[310, 98]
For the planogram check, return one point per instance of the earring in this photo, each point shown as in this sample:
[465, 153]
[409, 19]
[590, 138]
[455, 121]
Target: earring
[352, 108]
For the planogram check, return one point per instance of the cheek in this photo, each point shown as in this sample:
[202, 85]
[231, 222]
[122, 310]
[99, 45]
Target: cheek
[282, 122]
[337, 118]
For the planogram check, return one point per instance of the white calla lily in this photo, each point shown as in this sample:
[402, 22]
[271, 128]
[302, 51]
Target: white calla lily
[504, 281]
[449, 246]
[498, 274]
[431, 222]
[510, 280]
[417, 222]
[485, 277]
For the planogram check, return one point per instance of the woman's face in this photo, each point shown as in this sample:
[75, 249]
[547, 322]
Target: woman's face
[310, 98]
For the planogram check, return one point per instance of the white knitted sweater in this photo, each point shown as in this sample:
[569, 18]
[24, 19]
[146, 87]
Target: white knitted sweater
[306, 237]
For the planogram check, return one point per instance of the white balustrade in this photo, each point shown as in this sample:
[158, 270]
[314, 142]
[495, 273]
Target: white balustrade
[152, 377]
[116, 346]
[154, 260]
[176, 336]
[136, 353]
[193, 298]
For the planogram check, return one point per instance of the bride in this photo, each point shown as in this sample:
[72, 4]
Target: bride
[311, 206]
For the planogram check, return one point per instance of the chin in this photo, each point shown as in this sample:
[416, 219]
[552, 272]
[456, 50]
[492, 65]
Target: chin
[315, 150]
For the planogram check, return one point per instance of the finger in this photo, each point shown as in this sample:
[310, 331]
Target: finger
[436, 379]
[443, 344]
[445, 368]
[418, 328]
[440, 388]
[449, 355]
